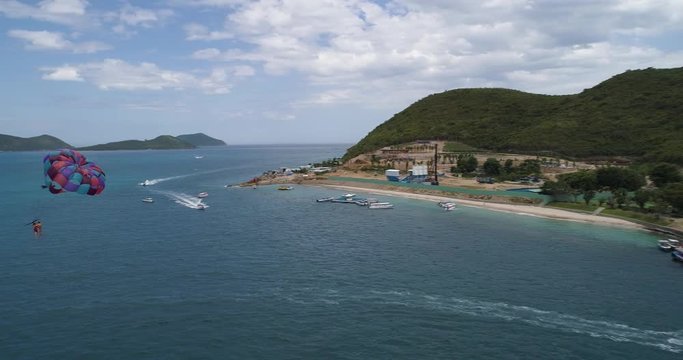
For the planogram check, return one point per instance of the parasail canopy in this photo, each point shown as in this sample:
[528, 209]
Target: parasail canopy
[68, 170]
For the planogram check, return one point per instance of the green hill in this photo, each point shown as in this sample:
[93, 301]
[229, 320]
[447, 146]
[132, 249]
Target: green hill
[201, 139]
[636, 114]
[42, 142]
[162, 142]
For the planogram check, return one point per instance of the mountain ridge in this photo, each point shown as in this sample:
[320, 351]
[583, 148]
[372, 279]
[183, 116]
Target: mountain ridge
[162, 142]
[634, 114]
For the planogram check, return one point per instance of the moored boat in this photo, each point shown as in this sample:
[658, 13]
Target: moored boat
[677, 255]
[664, 245]
[381, 205]
[285, 187]
[447, 205]
[346, 198]
[327, 199]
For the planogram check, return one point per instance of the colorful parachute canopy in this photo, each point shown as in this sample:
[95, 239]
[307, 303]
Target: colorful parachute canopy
[68, 170]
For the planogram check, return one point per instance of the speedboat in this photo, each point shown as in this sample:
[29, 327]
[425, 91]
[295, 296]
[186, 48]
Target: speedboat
[148, 200]
[381, 205]
[664, 245]
[201, 206]
[199, 156]
[146, 183]
[202, 195]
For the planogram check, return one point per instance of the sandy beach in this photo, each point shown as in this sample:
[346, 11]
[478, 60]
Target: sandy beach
[520, 209]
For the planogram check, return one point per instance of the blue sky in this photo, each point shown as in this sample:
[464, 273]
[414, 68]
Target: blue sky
[300, 71]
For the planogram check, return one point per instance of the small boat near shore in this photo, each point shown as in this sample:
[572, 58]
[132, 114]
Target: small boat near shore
[447, 205]
[285, 187]
[346, 199]
[665, 245]
[381, 205]
[677, 255]
[327, 199]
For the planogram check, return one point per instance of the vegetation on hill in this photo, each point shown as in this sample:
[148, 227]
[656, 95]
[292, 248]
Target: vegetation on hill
[635, 114]
[158, 143]
[42, 142]
[200, 139]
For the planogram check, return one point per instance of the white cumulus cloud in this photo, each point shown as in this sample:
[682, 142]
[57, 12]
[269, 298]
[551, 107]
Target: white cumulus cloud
[116, 74]
[46, 40]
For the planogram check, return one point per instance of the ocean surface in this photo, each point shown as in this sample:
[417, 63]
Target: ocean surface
[268, 274]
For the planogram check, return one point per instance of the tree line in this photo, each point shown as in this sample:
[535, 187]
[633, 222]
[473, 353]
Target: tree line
[662, 195]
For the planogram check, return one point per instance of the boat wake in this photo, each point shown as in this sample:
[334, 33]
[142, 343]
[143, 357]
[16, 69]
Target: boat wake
[156, 181]
[149, 182]
[671, 341]
[183, 199]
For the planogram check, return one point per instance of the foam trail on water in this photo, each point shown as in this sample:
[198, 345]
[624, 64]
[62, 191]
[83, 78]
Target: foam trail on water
[149, 182]
[671, 341]
[156, 181]
[183, 199]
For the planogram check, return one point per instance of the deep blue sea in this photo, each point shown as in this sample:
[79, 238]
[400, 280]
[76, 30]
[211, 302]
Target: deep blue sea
[268, 274]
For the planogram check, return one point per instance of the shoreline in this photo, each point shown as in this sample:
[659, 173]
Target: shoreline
[543, 212]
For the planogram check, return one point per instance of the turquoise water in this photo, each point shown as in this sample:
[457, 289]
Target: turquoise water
[267, 274]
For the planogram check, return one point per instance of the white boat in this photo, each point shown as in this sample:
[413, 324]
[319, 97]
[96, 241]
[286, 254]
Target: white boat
[674, 243]
[202, 195]
[148, 200]
[199, 156]
[664, 245]
[201, 206]
[381, 205]
[146, 183]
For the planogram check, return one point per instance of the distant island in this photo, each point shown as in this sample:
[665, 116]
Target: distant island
[42, 142]
[163, 142]
[200, 139]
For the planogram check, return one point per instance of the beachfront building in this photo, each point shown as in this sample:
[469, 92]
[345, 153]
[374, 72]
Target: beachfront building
[417, 174]
[392, 175]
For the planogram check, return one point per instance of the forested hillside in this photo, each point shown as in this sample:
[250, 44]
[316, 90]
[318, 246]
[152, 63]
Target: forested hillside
[636, 114]
[42, 142]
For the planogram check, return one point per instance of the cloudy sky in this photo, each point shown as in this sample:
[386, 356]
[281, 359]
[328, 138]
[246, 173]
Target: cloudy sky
[300, 71]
